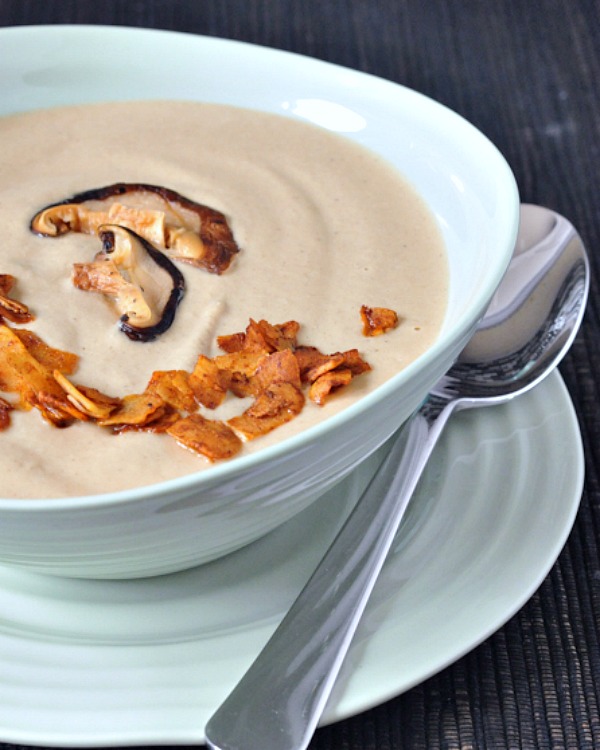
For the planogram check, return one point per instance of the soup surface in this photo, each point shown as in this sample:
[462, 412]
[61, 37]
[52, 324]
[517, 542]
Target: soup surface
[324, 226]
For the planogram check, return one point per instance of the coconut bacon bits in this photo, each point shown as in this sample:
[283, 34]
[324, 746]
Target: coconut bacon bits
[378, 320]
[143, 229]
[27, 368]
[12, 309]
[264, 363]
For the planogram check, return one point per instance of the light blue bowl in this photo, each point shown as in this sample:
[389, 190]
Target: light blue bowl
[460, 174]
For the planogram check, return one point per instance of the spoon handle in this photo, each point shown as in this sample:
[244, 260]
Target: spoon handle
[278, 702]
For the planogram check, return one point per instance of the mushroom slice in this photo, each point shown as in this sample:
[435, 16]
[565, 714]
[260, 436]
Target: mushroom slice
[145, 285]
[185, 230]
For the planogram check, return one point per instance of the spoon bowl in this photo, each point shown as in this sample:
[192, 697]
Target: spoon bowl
[528, 327]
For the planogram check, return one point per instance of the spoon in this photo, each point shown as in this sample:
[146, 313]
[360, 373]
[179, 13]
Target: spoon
[529, 325]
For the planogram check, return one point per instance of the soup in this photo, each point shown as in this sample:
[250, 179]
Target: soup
[324, 227]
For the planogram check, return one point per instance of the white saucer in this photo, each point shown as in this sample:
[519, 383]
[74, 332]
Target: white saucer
[89, 663]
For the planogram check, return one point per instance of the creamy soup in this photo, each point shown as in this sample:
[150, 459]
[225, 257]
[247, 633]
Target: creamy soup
[324, 226]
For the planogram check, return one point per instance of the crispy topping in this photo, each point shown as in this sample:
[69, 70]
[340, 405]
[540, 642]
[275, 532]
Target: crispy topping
[174, 387]
[94, 405]
[14, 311]
[97, 396]
[279, 367]
[327, 364]
[261, 336]
[158, 422]
[276, 405]
[58, 409]
[143, 283]
[48, 356]
[209, 383]
[5, 410]
[309, 357]
[135, 410]
[327, 383]
[327, 373]
[21, 373]
[354, 362]
[247, 352]
[378, 320]
[6, 283]
[211, 438]
[11, 309]
[185, 230]
[240, 368]
[233, 342]
[244, 362]
[264, 363]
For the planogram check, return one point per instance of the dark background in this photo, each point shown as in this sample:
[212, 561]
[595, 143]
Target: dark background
[527, 74]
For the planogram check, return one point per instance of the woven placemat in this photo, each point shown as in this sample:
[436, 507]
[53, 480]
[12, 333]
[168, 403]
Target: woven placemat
[526, 74]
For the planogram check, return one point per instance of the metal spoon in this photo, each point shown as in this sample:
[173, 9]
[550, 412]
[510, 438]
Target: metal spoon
[527, 329]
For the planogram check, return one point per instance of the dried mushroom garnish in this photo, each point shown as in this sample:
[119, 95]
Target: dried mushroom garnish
[378, 320]
[264, 362]
[144, 284]
[187, 231]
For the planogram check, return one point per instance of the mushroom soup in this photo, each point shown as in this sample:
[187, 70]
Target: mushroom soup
[322, 229]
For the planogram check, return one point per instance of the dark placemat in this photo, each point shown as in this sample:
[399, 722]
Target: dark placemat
[526, 74]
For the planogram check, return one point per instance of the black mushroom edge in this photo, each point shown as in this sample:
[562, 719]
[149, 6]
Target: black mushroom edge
[122, 188]
[167, 317]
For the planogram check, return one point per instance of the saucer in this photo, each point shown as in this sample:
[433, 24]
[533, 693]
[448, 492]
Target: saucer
[97, 663]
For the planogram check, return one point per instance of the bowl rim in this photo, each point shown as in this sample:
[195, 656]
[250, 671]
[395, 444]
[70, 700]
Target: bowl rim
[211, 475]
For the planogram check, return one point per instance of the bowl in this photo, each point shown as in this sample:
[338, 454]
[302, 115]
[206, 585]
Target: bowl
[463, 178]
